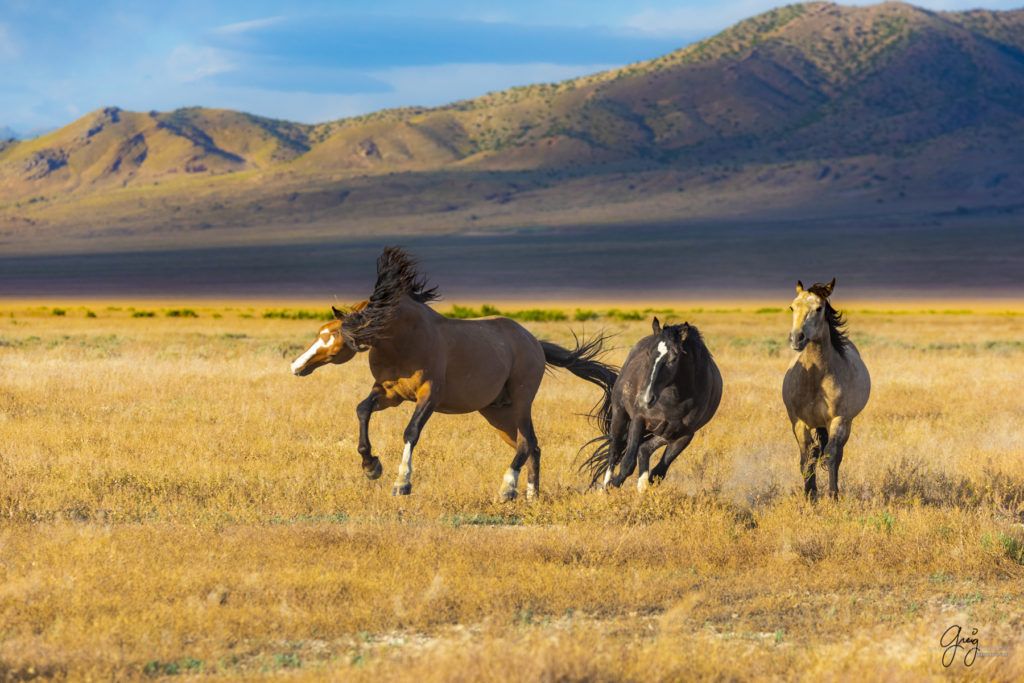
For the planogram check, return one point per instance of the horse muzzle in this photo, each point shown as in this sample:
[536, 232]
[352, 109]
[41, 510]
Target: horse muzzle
[797, 341]
[302, 370]
[648, 399]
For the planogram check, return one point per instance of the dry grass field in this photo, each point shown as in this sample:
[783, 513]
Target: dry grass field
[174, 503]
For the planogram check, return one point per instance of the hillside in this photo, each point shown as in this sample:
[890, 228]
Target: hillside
[813, 110]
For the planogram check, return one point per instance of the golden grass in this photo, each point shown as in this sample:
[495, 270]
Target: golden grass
[173, 501]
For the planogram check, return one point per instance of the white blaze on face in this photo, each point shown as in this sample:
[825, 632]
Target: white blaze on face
[662, 352]
[301, 361]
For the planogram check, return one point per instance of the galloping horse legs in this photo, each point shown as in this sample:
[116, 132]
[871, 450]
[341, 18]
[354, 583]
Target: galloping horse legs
[811, 442]
[377, 400]
[616, 442]
[838, 433]
[527, 449]
[424, 409]
[628, 464]
[671, 453]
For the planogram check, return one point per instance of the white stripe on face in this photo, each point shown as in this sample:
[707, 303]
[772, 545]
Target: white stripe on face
[662, 352]
[301, 361]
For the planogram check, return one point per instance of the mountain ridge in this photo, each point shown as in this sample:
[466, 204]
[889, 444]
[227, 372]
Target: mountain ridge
[799, 108]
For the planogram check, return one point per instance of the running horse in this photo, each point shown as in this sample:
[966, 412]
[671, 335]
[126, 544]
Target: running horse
[826, 385]
[492, 366]
[668, 388]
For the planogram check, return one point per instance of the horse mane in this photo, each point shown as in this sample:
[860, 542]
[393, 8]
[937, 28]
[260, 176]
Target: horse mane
[837, 332]
[396, 276]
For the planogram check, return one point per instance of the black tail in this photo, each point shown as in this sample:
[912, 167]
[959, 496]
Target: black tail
[582, 362]
[596, 463]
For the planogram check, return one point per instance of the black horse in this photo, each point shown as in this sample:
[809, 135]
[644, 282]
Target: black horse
[668, 388]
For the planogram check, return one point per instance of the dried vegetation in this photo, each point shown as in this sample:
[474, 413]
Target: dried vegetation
[174, 502]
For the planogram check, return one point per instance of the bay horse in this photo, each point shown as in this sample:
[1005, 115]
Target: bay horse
[668, 388]
[492, 365]
[826, 385]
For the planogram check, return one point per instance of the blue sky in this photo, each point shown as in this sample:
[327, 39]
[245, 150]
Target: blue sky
[317, 61]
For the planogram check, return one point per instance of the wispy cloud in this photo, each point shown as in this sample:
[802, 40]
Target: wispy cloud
[246, 26]
[368, 42]
[190, 63]
[9, 50]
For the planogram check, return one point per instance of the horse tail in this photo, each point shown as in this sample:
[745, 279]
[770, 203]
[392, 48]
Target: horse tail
[583, 362]
[596, 463]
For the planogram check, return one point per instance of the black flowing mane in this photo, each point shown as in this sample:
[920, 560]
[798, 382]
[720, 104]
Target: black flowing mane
[836, 322]
[396, 276]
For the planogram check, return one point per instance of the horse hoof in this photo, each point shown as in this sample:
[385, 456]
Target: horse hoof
[403, 490]
[507, 496]
[375, 471]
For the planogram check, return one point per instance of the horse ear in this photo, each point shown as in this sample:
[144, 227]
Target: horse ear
[799, 287]
[829, 287]
[656, 326]
[338, 315]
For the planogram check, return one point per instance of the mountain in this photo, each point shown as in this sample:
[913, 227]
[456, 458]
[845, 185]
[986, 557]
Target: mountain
[812, 110]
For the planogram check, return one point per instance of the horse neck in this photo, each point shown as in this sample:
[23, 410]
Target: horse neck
[819, 352]
[409, 315]
[686, 372]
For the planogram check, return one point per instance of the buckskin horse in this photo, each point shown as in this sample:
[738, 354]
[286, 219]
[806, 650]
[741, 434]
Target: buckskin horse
[493, 366]
[668, 388]
[826, 385]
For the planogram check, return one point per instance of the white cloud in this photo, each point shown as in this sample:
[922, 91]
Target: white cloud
[413, 86]
[246, 26]
[9, 50]
[444, 83]
[189, 63]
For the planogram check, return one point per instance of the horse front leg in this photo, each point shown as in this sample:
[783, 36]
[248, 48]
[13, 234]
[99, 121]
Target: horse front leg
[377, 400]
[371, 465]
[811, 442]
[425, 402]
[672, 452]
[838, 433]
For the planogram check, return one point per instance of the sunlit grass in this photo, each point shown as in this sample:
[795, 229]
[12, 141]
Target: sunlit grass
[174, 502]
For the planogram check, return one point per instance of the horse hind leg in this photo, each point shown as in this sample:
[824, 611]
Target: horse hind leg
[629, 455]
[617, 431]
[503, 419]
[527, 450]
